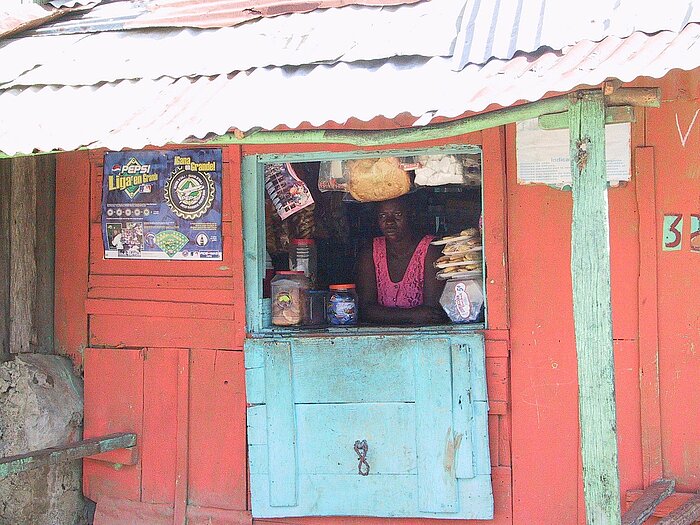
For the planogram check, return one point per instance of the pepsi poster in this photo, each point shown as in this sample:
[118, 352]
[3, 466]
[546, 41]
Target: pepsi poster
[162, 205]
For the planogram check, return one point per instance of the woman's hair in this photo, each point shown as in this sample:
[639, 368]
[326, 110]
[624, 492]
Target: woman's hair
[407, 201]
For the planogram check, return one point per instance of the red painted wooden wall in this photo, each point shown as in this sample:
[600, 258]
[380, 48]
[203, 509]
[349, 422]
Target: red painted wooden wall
[161, 343]
[674, 133]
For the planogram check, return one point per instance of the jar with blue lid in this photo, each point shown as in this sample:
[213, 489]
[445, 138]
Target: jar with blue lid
[342, 305]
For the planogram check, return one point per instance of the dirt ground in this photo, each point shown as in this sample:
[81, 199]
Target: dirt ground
[41, 406]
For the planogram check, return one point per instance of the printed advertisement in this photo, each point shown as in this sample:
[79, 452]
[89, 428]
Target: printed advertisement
[543, 154]
[287, 191]
[162, 204]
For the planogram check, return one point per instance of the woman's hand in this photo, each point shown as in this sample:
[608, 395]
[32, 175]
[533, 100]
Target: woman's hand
[425, 315]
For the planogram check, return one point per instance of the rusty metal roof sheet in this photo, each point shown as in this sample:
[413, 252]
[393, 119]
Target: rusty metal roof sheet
[19, 18]
[202, 14]
[223, 13]
[135, 113]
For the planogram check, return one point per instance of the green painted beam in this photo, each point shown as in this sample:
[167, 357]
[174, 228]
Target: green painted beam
[371, 138]
[613, 115]
[52, 456]
[590, 275]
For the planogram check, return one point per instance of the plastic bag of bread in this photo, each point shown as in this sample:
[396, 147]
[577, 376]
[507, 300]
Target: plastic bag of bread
[372, 180]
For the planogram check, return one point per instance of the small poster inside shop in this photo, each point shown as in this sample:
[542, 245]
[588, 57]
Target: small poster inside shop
[162, 204]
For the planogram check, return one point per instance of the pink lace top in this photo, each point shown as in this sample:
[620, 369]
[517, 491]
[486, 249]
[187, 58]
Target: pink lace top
[408, 292]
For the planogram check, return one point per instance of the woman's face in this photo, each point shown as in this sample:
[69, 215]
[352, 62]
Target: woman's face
[393, 220]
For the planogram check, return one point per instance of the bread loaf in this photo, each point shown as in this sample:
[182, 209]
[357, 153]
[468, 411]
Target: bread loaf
[372, 180]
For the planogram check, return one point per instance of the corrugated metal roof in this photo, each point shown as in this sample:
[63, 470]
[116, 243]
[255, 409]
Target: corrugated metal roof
[222, 13]
[18, 18]
[73, 3]
[321, 36]
[434, 59]
[202, 14]
[501, 28]
[137, 113]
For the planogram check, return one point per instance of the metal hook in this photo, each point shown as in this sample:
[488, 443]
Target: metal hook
[361, 449]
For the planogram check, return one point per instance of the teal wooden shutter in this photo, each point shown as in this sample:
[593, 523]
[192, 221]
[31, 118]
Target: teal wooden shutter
[419, 403]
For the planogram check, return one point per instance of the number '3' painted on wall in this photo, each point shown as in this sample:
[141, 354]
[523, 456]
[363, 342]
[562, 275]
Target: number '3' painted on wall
[673, 232]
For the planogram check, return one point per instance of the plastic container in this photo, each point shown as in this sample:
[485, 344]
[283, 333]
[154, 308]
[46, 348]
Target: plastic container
[289, 290]
[463, 300]
[342, 305]
[303, 257]
[315, 313]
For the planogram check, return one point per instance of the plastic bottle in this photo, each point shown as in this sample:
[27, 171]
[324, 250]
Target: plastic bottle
[303, 257]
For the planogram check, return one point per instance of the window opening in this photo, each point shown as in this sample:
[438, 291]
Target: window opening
[320, 221]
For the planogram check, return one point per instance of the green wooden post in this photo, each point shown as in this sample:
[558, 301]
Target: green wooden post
[590, 274]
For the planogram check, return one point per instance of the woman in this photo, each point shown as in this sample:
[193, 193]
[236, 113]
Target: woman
[396, 281]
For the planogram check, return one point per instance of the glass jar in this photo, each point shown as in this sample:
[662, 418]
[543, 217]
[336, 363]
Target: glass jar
[315, 314]
[289, 297]
[342, 305]
[303, 257]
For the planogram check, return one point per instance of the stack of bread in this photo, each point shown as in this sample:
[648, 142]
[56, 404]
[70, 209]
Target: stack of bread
[461, 255]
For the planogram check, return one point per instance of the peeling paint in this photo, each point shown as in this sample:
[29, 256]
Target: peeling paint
[450, 446]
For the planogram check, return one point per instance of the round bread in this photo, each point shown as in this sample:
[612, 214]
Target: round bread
[372, 180]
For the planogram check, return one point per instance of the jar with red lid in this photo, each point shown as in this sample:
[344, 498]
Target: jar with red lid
[342, 305]
[289, 297]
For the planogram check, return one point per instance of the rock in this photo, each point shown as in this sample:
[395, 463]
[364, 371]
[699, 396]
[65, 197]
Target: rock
[41, 406]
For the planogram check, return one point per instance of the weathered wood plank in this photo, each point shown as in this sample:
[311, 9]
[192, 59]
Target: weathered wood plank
[644, 507]
[613, 115]
[462, 411]
[72, 258]
[281, 427]
[435, 440]
[182, 436]
[590, 273]
[645, 186]
[45, 201]
[5, 183]
[664, 508]
[686, 514]
[31, 240]
[54, 455]
[23, 271]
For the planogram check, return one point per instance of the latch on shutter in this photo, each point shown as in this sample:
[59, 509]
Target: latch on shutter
[361, 449]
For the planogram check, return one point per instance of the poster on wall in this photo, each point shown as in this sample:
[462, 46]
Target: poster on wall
[162, 204]
[543, 154]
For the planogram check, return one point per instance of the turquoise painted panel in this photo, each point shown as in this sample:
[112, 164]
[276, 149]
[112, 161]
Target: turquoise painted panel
[388, 428]
[255, 385]
[257, 425]
[380, 496]
[349, 390]
[437, 483]
[353, 369]
[281, 431]
[462, 411]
